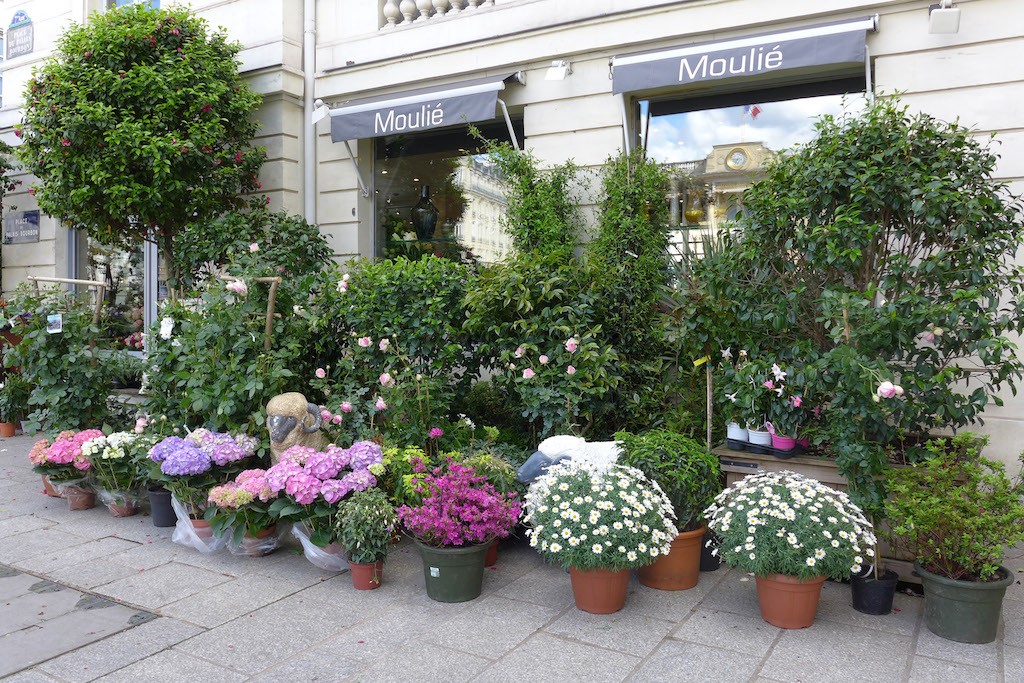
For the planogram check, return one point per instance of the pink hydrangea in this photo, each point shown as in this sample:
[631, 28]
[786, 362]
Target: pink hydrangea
[323, 465]
[334, 490]
[304, 488]
[280, 474]
[297, 454]
[255, 483]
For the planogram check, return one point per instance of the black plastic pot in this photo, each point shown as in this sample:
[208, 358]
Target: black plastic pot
[708, 562]
[871, 595]
[160, 507]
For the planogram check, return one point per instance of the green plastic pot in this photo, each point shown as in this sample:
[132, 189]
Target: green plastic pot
[453, 574]
[964, 611]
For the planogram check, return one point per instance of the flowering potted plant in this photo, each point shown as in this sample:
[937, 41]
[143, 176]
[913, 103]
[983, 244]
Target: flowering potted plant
[65, 468]
[241, 505]
[189, 467]
[118, 469]
[789, 409]
[958, 513]
[792, 533]
[690, 476]
[311, 483]
[735, 396]
[458, 517]
[599, 523]
[366, 522]
[14, 393]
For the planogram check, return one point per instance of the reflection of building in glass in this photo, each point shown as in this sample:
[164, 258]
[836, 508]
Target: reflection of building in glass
[706, 194]
[480, 229]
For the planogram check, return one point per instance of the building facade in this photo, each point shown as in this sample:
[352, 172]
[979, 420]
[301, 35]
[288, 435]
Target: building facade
[366, 102]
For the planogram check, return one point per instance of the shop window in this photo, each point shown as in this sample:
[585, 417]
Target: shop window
[436, 193]
[717, 153]
[111, 4]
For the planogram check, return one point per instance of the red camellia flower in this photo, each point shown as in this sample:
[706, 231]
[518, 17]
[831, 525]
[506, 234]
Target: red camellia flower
[66, 142]
[207, 107]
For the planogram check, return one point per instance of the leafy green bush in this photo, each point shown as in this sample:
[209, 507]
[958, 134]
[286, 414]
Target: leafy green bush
[957, 512]
[366, 522]
[392, 331]
[69, 382]
[685, 470]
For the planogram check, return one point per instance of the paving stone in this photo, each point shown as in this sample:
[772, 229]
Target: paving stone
[22, 524]
[624, 630]
[985, 656]
[491, 626]
[736, 592]
[119, 650]
[424, 662]
[676, 661]
[1013, 623]
[161, 586]
[93, 573]
[14, 549]
[383, 630]
[172, 665]
[837, 605]
[736, 632]
[287, 566]
[33, 645]
[928, 670]
[545, 585]
[828, 651]
[1013, 663]
[231, 599]
[544, 657]
[28, 676]
[668, 605]
[307, 666]
[32, 608]
[82, 552]
[15, 583]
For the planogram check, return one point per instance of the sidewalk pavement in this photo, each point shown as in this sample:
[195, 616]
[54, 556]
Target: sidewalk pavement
[85, 596]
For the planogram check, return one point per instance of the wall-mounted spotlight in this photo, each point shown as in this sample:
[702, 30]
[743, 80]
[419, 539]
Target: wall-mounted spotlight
[943, 17]
[559, 69]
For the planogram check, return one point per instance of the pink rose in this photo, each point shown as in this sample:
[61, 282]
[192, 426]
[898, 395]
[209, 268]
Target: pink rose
[254, 247]
[543, 360]
[365, 342]
[336, 419]
[325, 414]
[386, 380]
[886, 389]
[528, 373]
[519, 352]
[384, 344]
[320, 373]
[380, 404]
[238, 287]
[571, 344]
[570, 370]
[346, 407]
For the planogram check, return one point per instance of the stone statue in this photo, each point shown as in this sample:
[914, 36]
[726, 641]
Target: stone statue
[293, 421]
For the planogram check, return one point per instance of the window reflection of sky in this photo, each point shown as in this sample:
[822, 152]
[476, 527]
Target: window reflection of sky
[780, 125]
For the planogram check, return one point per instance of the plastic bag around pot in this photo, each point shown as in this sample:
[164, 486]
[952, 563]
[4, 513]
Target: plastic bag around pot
[257, 546]
[320, 557]
[120, 503]
[199, 537]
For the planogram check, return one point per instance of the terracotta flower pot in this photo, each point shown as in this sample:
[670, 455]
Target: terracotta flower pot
[126, 509]
[788, 602]
[366, 577]
[48, 488]
[202, 528]
[8, 429]
[492, 554]
[680, 569]
[599, 591]
[79, 498]
[261, 544]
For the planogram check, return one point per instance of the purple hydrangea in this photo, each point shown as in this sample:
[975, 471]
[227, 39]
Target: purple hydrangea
[334, 490]
[248, 444]
[297, 454]
[304, 488]
[279, 474]
[223, 449]
[359, 480]
[185, 460]
[363, 454]
[343, 457]
[160, 451]
[323, 466]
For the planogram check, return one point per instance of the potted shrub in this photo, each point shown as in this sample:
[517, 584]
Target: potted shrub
[14, 393]
[311, 483]
[458, 517]
[241, 508]
[599, 523]
[958, 513]
[690, 476]
[117, 469]
[500, 473]
[65, 468]
[365, 525]
[792, 533]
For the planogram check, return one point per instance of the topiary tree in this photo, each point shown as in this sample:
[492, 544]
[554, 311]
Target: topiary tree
[140, 121]
[881, 251]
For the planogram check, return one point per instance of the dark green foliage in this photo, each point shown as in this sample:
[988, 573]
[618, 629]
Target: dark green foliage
[686, 470]
[140, 120]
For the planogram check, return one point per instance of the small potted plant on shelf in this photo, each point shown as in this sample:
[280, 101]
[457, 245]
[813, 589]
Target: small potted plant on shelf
[365, 525]
[690, 476]
[788, 408]
[459, 516]
[791, 532]
[958, 513]
[735, 397]
[117, 469]
[241, 507]
[65, 468]
[599, 523]
[311, 483]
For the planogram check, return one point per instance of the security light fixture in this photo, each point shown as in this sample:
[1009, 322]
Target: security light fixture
[559, 69]
[943, 17]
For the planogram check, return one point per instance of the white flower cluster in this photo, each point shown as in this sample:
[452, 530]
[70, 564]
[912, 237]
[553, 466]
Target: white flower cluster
[614, 514]
[113, 447]
[814, 521]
